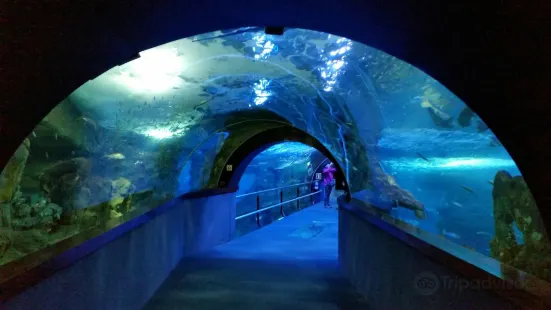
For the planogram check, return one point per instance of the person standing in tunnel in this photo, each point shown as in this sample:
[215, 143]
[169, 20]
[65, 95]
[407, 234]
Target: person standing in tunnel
[328, 183]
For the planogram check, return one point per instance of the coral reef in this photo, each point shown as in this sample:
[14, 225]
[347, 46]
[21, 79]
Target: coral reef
[63, 184]
[513, 203]
[120, 197]
[5, 242]
[40, 214]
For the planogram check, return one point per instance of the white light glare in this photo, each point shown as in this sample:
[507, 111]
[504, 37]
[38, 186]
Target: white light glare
[476, 162]
[458, 163]
[261, 92]
[265, 47]
[156, 70]
[333, 66]
[161, 133]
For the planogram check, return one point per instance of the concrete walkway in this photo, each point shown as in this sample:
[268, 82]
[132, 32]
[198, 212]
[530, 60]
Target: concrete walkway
[290, 264]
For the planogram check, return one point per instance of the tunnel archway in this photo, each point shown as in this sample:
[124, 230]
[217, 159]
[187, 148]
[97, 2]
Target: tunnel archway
[258, 98]
[488, 116]
[249, 149]
[277, 183]
[492, 87]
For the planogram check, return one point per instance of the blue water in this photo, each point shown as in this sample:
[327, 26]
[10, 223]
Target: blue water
[453, 180]
[456, 161]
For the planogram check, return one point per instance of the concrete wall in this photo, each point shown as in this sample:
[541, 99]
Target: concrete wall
[393, 275]
[125, 273]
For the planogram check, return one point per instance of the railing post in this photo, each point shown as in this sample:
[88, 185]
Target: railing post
[281, 202]
[311, 196]
[258, 208]
[298, 195]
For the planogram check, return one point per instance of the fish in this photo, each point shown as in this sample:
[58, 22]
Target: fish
[115, 156]
[423, 157]
[204, 101]
[450, 234]
[483, 233]
[465, 117]
[88, 120]
[34, 134]
[457, 204]
[46, 155]
[55, 136]
[491, 182]
[468, 189]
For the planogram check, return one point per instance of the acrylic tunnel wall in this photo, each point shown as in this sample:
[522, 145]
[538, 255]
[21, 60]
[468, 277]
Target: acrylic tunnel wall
[159, 126]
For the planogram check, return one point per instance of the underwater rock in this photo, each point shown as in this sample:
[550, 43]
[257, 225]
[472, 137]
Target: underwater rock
[24, 223]
[114, 214]
[513, 203]
[494, 142]
[440, 119]
[122, 190]
[102, 189]
[23, 210]
[465, 117]
[61, 129]
[121, 186]
[481, 126]
[12, 173]
[5, 214]
[5, 242]
[29, 241]
[41, 215]
[400, 197]
[89, 219]
[62, 183]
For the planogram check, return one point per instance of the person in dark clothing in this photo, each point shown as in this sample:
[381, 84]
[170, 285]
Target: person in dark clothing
[328, 183]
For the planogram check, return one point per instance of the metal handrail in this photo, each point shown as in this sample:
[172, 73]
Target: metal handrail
[273, 206]
[273, 189]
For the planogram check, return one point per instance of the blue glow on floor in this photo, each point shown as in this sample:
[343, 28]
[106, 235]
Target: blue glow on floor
[275, 241]
[289, 264]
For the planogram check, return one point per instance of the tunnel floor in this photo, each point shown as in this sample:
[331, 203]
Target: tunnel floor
[290, 264]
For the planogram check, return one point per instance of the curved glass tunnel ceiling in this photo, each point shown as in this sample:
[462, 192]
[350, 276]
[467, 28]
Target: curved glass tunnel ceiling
[310, 78]
[162, 124]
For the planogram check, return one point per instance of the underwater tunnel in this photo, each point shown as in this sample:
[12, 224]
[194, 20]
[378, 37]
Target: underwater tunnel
[192, 119]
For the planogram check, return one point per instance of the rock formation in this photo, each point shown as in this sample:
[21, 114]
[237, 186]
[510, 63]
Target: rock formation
[386, 185]
[13, 172]
[513, 203]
